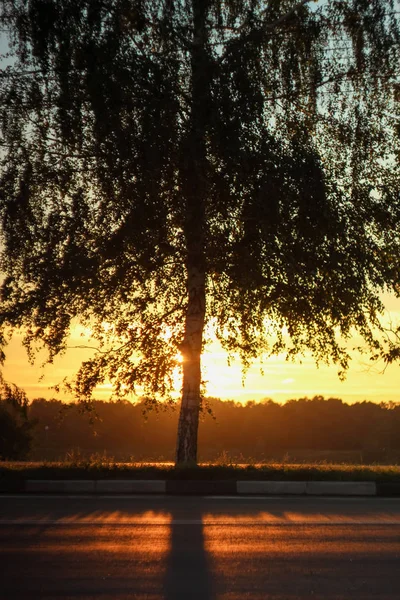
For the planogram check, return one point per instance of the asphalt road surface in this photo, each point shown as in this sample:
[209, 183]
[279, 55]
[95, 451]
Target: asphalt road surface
[188, 548]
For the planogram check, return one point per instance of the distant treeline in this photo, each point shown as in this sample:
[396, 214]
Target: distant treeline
[298, 430]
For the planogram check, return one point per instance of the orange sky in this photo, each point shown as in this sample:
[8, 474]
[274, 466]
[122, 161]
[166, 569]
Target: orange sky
[281, 380]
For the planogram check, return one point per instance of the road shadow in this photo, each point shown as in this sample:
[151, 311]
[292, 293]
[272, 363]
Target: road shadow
[188, 565]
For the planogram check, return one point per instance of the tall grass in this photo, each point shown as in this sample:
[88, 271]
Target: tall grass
[101, 466]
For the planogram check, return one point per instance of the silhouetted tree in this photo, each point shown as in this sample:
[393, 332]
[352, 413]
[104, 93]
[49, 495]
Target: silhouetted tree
[306, 427]
[15, 426]
[169, 165]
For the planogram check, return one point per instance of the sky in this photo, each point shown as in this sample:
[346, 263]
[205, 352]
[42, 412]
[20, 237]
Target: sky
[280, 380]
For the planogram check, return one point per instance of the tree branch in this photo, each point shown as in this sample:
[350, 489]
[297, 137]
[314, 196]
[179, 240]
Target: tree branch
[275, 23]
[286, 16]
[84, 347]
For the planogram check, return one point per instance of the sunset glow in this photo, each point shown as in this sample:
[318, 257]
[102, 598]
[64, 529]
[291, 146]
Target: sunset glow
[273, 378]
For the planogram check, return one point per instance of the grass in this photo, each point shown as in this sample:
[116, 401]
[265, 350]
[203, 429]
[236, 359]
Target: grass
[101, 468]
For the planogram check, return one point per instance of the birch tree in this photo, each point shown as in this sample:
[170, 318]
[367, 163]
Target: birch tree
[175, 170]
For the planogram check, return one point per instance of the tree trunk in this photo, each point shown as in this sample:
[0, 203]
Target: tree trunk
[194, 189]
[191, 351]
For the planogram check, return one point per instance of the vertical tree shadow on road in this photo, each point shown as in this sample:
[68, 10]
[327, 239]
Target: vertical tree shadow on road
[188, 566]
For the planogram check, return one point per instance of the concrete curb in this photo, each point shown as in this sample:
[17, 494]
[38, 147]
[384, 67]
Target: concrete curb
[205, 488]
[83, 486]
[271, 487]
[341, 488]
[101, 486]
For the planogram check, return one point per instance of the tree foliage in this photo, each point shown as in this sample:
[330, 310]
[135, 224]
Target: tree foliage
[175, 167]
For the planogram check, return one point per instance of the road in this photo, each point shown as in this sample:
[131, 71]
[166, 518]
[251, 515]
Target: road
[190, 548]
